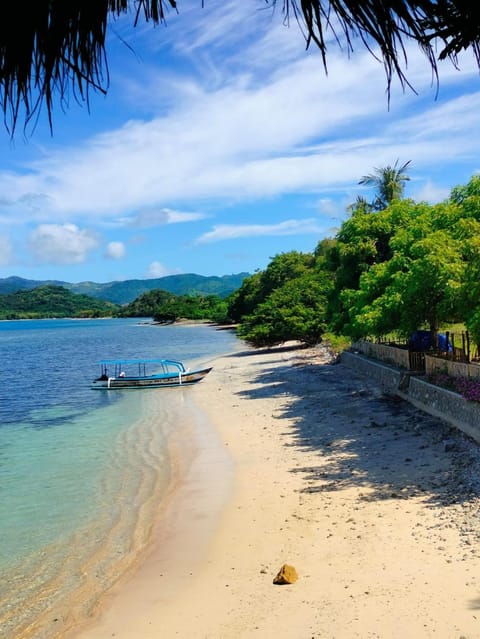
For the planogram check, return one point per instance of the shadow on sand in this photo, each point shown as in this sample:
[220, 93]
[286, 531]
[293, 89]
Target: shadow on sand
[364, 438]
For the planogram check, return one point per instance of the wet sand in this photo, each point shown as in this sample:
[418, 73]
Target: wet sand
[374, 503]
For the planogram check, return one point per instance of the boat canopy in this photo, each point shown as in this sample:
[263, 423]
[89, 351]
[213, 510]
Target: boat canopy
[118, 365]
[114, 362]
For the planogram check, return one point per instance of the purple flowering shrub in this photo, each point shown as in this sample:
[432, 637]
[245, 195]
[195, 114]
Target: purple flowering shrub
[467, 387]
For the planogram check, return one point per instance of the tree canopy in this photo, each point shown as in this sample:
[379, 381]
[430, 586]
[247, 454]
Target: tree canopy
[166, 307]
[409, 266]
[286, 301]
[51, 49]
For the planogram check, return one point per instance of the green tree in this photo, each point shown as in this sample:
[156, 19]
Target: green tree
[470, 294]
[361, 205]
[244, 300]
[294, 311]
[419, 286]
[164, 307]
[284, 267]
[362, 241]
[431, 287]
[256, 288]
[389, 182]
[146, 304]
[466, 194]
[408, 266]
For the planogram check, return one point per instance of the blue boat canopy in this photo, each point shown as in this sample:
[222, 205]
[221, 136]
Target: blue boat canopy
[118, 366]
[114, 362]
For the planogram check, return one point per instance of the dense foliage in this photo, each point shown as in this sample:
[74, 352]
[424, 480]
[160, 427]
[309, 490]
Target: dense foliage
[286, 301]
[293, 311]
[52, 301]
[405, 267]
[165, 307]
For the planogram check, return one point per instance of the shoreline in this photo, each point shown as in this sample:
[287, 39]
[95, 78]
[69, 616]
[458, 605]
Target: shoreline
[201, 469]
[374, 503]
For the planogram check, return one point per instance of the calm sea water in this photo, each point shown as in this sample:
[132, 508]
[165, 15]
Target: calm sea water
[81, 470]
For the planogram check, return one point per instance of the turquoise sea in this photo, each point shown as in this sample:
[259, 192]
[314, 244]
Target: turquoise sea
[81, 471]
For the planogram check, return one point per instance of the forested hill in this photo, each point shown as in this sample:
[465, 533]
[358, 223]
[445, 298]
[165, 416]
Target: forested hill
[52, 301]
[128, 290]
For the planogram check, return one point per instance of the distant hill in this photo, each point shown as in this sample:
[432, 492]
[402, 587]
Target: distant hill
[14, 284]
[128, 290]
[52, 301]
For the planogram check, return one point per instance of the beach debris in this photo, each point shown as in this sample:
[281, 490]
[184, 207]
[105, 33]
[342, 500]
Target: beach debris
[286, 575]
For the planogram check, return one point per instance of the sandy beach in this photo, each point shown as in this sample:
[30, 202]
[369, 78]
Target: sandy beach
[300, 461]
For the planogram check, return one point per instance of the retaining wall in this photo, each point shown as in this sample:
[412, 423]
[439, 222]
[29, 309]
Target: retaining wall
[389, 377]
[439, 402]
[389, 354]
[446, 405]
[455, 369]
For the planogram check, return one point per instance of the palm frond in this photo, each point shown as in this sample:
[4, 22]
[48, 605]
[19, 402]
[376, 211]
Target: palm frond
[57, 48]
[388, 182]
[54, 49]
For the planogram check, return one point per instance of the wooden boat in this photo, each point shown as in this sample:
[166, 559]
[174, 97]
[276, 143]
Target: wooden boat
[135, 373]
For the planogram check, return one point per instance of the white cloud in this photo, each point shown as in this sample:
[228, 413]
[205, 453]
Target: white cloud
[327, 206]
[289, 227]
[446, 120]
[295, 131]
[432, 193]
[215, 26]
[61, 244]
[240, 139]
[115, 250]
[157, 269]
[151, 217]
[5, 250]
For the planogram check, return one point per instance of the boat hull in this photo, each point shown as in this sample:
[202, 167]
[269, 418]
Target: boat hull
[151, 381]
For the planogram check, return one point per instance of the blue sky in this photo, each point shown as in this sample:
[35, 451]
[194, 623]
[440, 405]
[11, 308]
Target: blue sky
[221, 143]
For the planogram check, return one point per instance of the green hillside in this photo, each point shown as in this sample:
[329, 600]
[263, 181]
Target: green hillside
[50, 301]
[128, 290]
[13, 284]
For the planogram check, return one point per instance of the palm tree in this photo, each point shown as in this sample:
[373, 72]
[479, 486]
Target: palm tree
[361, 205]
[389, 182]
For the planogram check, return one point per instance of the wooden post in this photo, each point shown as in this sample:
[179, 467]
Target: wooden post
[463, 347]
[453, 346]
[468, 347]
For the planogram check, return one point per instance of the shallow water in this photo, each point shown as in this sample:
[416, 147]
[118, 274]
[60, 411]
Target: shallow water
[82, 472]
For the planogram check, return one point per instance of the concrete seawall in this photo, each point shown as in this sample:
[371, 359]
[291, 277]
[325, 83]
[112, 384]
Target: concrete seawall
[439, 402]
[389, 377]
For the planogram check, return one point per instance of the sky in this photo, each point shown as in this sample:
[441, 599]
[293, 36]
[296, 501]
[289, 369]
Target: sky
[221, 143]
